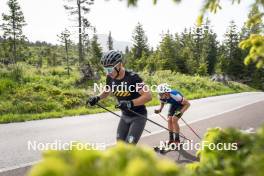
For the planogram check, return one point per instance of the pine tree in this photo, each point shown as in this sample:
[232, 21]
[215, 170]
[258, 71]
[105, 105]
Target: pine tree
[232, 54]
[198, 42]
[110, 42]
[179, 60]
[209, 51]
[140, 40]
[48, 52]
[95, 53]
[13, 29]
[127, 50]
[187, 51]
[64, 38]
[167, 53]
[80, 8]
[5, 52]
[153, 63]
[85, 37]
[54, 58]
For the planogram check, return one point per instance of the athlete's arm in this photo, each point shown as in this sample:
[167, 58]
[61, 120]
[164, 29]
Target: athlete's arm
[92, 101]
[179, 98]
[161, 106]
[143, 99]
[186, 104]
[104, 94]
[157, 111]
[107, 90]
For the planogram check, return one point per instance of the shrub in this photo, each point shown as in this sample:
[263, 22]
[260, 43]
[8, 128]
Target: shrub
[54, 91]
[247, 160]
[17, 72]
[120, 160]
[41, 92]
[69, 103]
[57, 71]
[39, 87]
[225, 161]
[124, 159]
[7, 85]
[25, 107]
[5, 107]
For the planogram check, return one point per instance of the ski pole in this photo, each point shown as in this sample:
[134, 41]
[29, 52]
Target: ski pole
[140, 115]
[114, 113]
[187, 126]
[191, 128]
[163, 117]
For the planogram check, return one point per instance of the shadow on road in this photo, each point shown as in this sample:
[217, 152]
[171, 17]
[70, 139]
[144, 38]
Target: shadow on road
[185, 157]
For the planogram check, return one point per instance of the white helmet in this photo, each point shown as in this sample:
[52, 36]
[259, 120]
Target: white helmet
[163, 88]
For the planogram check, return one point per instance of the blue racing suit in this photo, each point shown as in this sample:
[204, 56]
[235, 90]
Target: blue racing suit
[175, 102]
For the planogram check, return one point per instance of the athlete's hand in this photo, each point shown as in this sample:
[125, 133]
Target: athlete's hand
[125, 105]
[93, 100]
[178, 114]
[157, 111]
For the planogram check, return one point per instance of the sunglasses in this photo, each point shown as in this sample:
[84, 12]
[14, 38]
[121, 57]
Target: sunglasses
[109, 70]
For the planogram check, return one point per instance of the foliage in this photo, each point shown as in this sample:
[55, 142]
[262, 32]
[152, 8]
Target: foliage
[79, 9]
[50, 92]
[95, 53]
[239, 161]
[231, 53]
[110, 41]
[40, 87]
[213, 6]
[192, 87]
[256, 54]
[140, 46]
[167, 53]
[65, 40]
[13, 30]
[25, 90]
[244, 157]
[120, 160]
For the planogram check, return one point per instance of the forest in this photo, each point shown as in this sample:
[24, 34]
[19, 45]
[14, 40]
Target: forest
[33, 72]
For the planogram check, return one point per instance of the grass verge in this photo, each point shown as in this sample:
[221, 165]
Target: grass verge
[27, 93]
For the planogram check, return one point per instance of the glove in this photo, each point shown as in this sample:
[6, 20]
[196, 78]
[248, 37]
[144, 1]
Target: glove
[125, 105]
[178, 114]
[157, 111]
[93, 100]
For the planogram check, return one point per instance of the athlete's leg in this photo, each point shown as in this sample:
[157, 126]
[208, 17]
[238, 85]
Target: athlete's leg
[122, 130]
[171, 112]
[170, 127]
[135, 130]
[175, 124]
[176, 127]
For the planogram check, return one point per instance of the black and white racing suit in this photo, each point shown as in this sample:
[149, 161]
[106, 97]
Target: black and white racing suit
[130, 126]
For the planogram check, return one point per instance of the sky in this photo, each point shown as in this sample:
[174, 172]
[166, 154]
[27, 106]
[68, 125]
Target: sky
[47, 18]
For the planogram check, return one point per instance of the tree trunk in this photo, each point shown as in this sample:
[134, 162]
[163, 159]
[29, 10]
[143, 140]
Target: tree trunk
[14, 42]
[80, 33]
[67, 56]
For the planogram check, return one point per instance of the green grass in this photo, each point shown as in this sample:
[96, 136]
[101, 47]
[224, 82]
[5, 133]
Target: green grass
[27, 93]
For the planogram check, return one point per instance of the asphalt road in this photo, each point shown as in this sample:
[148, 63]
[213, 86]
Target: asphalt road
[247, 118]
[101, 128]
